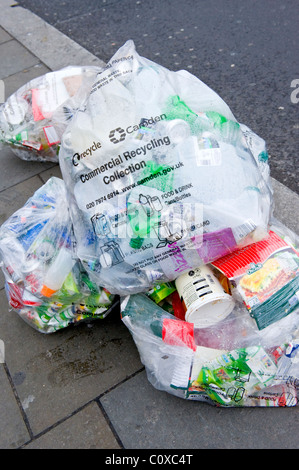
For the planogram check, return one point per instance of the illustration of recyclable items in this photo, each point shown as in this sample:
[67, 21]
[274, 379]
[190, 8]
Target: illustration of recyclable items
[238, 352]
[160, 175]
[45, 282]
[33, 119]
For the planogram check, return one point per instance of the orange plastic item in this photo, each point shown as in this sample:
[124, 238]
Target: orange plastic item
[47, 292]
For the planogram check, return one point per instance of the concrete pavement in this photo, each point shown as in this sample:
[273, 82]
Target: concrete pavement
[84, 386]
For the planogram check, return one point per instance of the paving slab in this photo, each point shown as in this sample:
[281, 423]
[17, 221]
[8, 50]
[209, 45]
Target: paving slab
[56, 374]
[86, 429]
[53, 171]
[13, 430]
[4, 36]
[14, 170]
[17, 80]
[14, 58]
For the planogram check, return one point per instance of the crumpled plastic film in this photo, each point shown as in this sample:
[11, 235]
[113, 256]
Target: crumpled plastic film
[160, 175]
[45, 282]
[34, 118]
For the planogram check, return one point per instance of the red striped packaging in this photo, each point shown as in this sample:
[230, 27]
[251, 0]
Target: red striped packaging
[237, 263]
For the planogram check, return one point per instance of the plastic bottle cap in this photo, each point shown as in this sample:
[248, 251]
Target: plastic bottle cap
[136, 242]
[47, 292]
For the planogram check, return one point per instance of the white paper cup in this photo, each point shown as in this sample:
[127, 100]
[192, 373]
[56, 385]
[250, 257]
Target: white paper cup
[204, 300]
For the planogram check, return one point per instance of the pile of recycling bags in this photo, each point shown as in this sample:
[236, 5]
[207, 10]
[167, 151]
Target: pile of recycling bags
[166, 201]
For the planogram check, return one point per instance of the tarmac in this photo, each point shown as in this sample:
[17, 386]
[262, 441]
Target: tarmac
[84, 387]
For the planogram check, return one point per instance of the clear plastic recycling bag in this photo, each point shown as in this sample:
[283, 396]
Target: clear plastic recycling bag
[232, 360]
[33, 119]
[45, 282]
[160, 176]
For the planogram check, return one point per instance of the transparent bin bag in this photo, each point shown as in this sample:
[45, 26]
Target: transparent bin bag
[231, 364]
[160, 175]
[45, 282]
[33, 119]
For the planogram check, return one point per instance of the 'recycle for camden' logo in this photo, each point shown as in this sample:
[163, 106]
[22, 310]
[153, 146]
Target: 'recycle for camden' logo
[2, 352]
[117, 135]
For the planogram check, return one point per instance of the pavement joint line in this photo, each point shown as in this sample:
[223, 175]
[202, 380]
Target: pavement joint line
[7, 40]
[34, 437]
[25, 47]
[113, 430]
[19, 403]
[24, 70]
[113, 387]
[29, 177]
[39, 176]
[65, 418]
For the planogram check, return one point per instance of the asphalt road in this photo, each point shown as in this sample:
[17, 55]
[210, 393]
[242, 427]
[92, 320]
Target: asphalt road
[247, 51]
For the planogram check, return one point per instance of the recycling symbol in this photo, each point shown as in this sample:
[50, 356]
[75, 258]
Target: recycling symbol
[120, 132]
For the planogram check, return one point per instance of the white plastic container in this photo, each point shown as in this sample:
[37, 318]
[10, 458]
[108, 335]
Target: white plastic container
[204, 300]
[57, 272]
